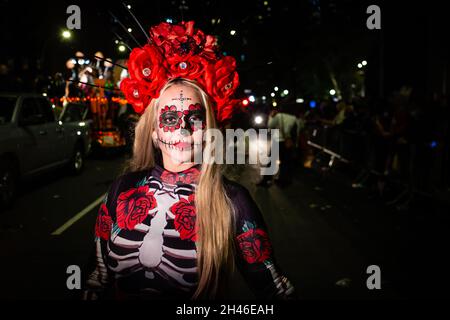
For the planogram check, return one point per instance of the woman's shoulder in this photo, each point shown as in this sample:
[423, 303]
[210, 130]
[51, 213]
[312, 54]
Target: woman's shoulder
[235, 190]
[241, 198]
[127, 180]
[247, 215]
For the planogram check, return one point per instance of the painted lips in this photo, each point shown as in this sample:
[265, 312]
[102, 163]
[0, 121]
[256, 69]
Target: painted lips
[179, 145]
[183, 145]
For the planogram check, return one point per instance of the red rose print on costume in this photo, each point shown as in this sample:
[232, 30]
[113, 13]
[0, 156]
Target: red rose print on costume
[133, 206]
[104, 223]
[188, 176]
[185, 214]
[169, 177]
[255, 246]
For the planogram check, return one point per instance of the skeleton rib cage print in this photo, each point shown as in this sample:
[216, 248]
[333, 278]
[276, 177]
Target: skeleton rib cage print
[145, 240]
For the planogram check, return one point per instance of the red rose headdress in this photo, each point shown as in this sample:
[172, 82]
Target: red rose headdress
[181, 51]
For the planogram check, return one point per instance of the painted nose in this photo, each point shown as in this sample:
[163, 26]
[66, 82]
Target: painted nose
[184, 132]
[185, 129]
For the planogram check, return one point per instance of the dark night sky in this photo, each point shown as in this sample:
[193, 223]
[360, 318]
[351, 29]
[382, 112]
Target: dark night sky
[294, 35]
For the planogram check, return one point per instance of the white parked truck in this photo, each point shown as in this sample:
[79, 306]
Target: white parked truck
[33, 140]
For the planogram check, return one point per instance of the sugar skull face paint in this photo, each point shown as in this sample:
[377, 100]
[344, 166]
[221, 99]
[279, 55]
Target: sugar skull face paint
[181, 119]
[171, 118]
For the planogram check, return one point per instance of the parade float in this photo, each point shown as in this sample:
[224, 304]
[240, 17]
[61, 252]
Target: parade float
[92, 89]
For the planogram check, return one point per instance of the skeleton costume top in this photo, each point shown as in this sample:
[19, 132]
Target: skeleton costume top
[145, 240]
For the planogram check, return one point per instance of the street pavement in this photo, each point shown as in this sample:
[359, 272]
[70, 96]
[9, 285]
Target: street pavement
[324, 233]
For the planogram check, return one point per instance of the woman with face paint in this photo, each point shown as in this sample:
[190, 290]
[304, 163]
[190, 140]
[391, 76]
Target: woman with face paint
[169, 227]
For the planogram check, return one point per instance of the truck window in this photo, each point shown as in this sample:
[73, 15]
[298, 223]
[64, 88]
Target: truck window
[72, 112]
[7, 105]
[30, 111]
[46, 109]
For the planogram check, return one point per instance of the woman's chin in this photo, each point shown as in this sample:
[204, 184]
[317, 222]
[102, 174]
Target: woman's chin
[180, 156]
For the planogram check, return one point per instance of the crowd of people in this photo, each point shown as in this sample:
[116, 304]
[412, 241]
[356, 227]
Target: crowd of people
[397, 146]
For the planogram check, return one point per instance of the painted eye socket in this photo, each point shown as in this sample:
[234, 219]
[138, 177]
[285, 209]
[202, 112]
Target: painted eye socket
[196, 117]
[169, 118]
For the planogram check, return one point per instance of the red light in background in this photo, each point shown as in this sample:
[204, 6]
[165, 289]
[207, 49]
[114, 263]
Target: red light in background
[245, 102]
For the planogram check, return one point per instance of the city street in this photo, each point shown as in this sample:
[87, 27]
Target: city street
[324, 233]
[352, 95]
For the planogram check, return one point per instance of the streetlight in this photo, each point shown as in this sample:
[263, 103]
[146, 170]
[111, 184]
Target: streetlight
[332, 92]
[276, 89]
[272, 95]
[66, 34]
[360, 65]
[252, 99]
[130, 30]
[122, 48]
[258, 120]
[286, 92]
[233, 32]
[274, 104]
[364, 63]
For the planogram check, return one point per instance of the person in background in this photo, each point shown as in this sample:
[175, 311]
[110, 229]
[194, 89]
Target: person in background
[287, 125]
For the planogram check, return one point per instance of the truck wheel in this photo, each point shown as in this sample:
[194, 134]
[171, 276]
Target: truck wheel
[8, 182]
[76, 163]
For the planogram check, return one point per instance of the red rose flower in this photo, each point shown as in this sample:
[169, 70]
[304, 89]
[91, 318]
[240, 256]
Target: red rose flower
[210, 48]
[192, 67]
[255, 246]
[185, 214]
[133, 206]
[160, 35]
[104, 223]
[207, 81]
[226, 78]
[148, 64]
[184, 47]
[136, 93]
[181, 39]
[181, 51]
[225, 109]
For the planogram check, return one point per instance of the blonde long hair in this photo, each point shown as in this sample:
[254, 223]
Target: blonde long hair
[214, 211]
